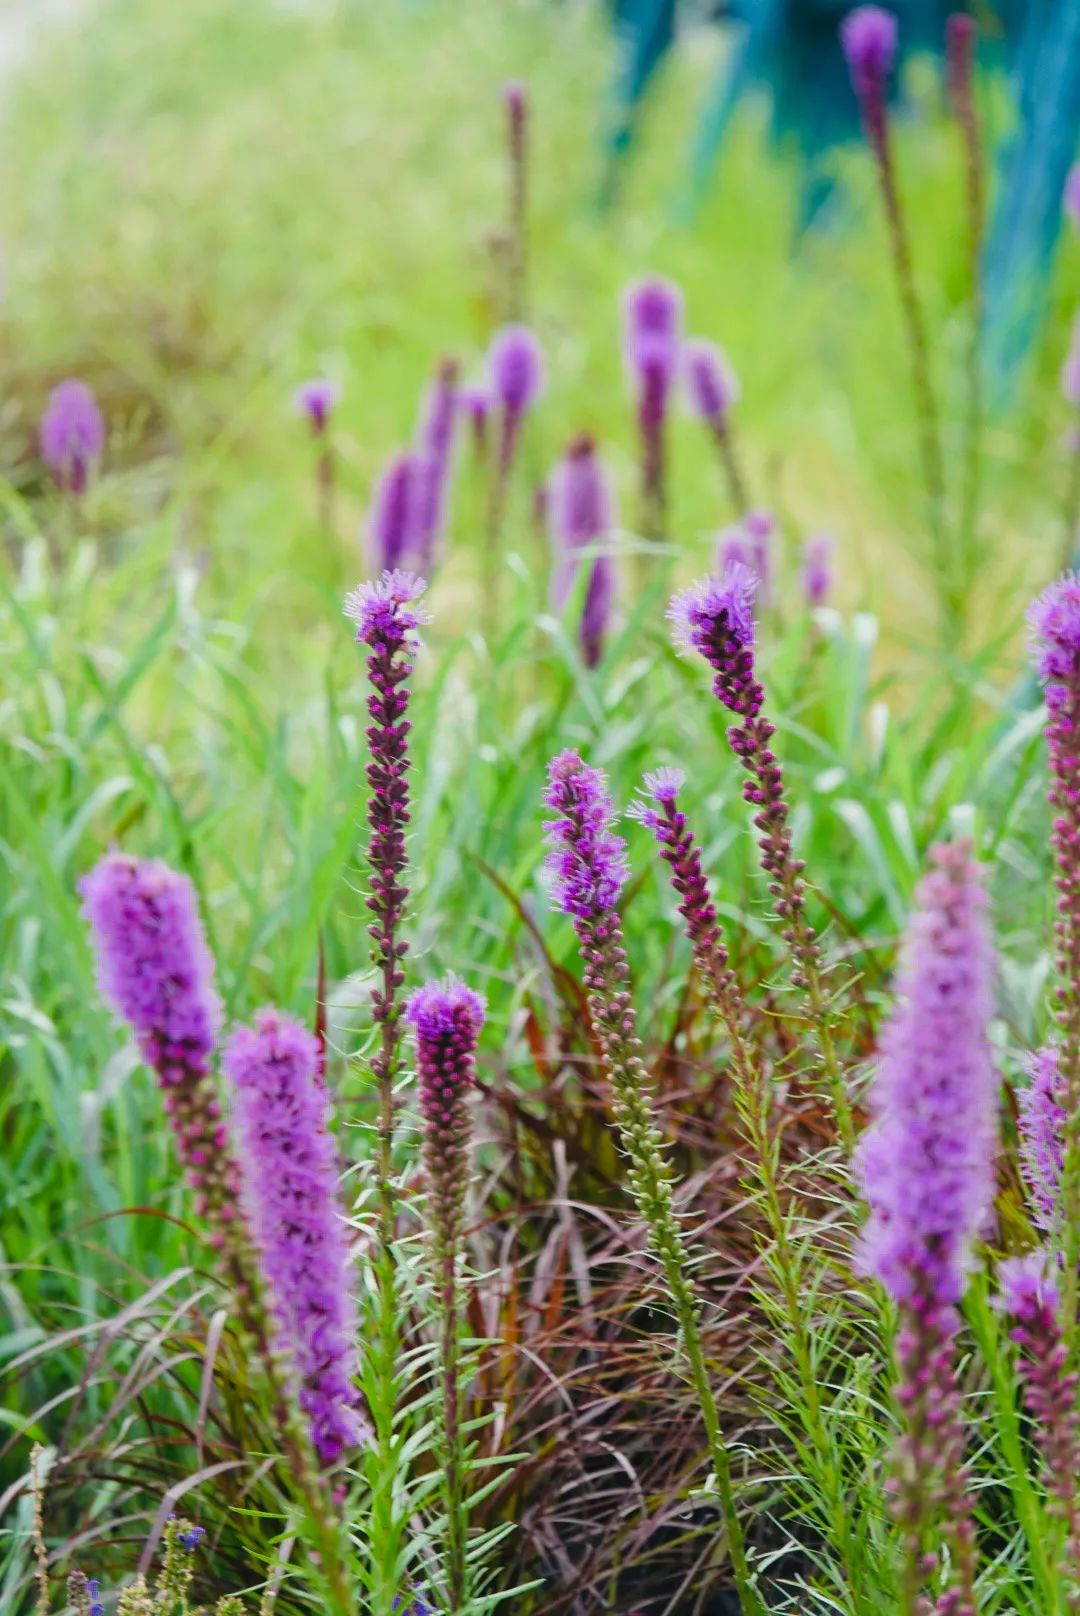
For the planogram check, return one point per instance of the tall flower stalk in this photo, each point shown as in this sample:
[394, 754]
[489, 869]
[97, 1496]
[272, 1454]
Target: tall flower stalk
[961, 35]
[869, 39]
[515, 382]
[926, 1167]
[586, 869]
[715, 619]
[435, 451]
[446, 1018]
[316, 401]
[713, 390]
[388, 616]
[660, 812]
[1055, 625]
[652, 347]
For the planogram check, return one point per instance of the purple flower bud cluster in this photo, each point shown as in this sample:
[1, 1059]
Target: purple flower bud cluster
[289, 1177]
[515, 371]
[156, 972]
[817, 573]
[868, 38]
[315, 401]
[1031, 1296]
[926, 1168]
[652, 346]
[1042, 1136]
[96, 1605]
[580, 512]
[72, 435]
[715, 618]
[446, 1018]
[586, 864]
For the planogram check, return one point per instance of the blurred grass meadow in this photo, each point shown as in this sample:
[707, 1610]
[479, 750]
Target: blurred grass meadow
[201, 205]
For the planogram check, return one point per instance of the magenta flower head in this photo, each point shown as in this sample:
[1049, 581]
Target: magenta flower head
[715, 618]
[711, 386]
[817, 574]
[72, 435]
[393, 519]
[435, 435]
[760, 530]
[515, 369]
[1071, 196]
[585, 867]
[1054, 623]
[580, 510]
[388, 613]
[652, 335]
[155, 971]
[732, 548]
[926, 1165]
[288, 1163]
[315, 401]
[868, 37]
[1042, 1135]
[516, 101]
[446, 1018]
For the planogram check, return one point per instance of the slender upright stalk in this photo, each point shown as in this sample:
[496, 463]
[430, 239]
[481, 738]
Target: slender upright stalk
[516, 378]
[516, 103]
[587, 870]
[652, 327]
[960, 51]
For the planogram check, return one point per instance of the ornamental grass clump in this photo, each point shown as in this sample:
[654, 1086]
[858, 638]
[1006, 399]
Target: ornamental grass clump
[288, 1165]
[446, 1019]
[715, 620]
[586, 870]
[926, 1167]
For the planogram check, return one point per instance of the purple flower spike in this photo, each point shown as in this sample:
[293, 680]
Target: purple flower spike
[392, 523]
[586, 865]
[446, 1018]
[868, 37]
[1042, 1135]
[817, 576]
[315, 401]
[1071, 197]
[580, 513]
[515, 369]
[711, 385]
[597, 609]
[156, 972]
[387, 613]
[715, 618]
[732, 548]
[760, 530]
[652, 334]
[289, 1175]
[435, 441]
[72, 435]
[475, 403]
[926, 1165]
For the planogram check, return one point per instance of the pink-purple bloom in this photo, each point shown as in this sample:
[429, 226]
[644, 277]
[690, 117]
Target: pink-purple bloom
[1070, 371]
[515, 369]
[475, 404]
[288, 1163]
[393, 519]
[715, 618]
[435, 445]
[926, 1164]
[580, 512]
[72, 435]
[446, 1018]
[868, 36]
[586, 865]
[817, 572]
[711, 384]
[387, 612]
[652, 335]
[1042, 1135]
[315, 401]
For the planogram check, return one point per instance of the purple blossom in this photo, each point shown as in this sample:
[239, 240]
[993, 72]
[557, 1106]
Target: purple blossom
[868, 37]
[387, 612]
[72, 435]
[715, 618]
[446, 1018]
[1071, 196]
[1042, 1135]
[93, 1589]
[515, 369]
[760, 530]
[315, 401]
[435, 442]
[393, 520]
[475, 403]
[817, 575]
[926, 1165]
[289, 1177]
[191, 1537]
[580, 514]
[652, 334]
[732, 548]
[596, 610]
[711, 385]
[586, 866]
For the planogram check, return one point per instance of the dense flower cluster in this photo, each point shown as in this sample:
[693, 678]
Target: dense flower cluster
[72, 435]
[289, 1179]
[817, 572]
[392, 521]
[586, 864]
[715, 618]
[1042, 1135]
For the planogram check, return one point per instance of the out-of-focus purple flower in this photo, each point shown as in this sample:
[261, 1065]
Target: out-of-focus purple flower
[597, 609]
[732, 548]
[315, 401]
[711, 384]
[580, 512]
[868, 37]
[1042, 1135]
[156, 972]
[817, 574]
[475, 403]
[393, 519]
[72, 435]
[435, 434]
[515, 369]
[760, 530]
[435, 445]
[586, 864]
[1071, 196]
[289, 1176]
[652, 334]
[926, 1164]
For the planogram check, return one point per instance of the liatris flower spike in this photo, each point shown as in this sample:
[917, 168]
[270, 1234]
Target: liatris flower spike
[868, 37]
[652, 347]
[586, 871]
[446, 1018]
[435, 446]
[580, 511]
[1031, 1296]
[72, 435]
[315, 401]
[713, 390]
[926, 1167]
[1042, 1136]
[1054, 620]
[817, 573]
[155, 971]
[515, 372]
[715, 620]
[393, 521]
[289, 1174]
